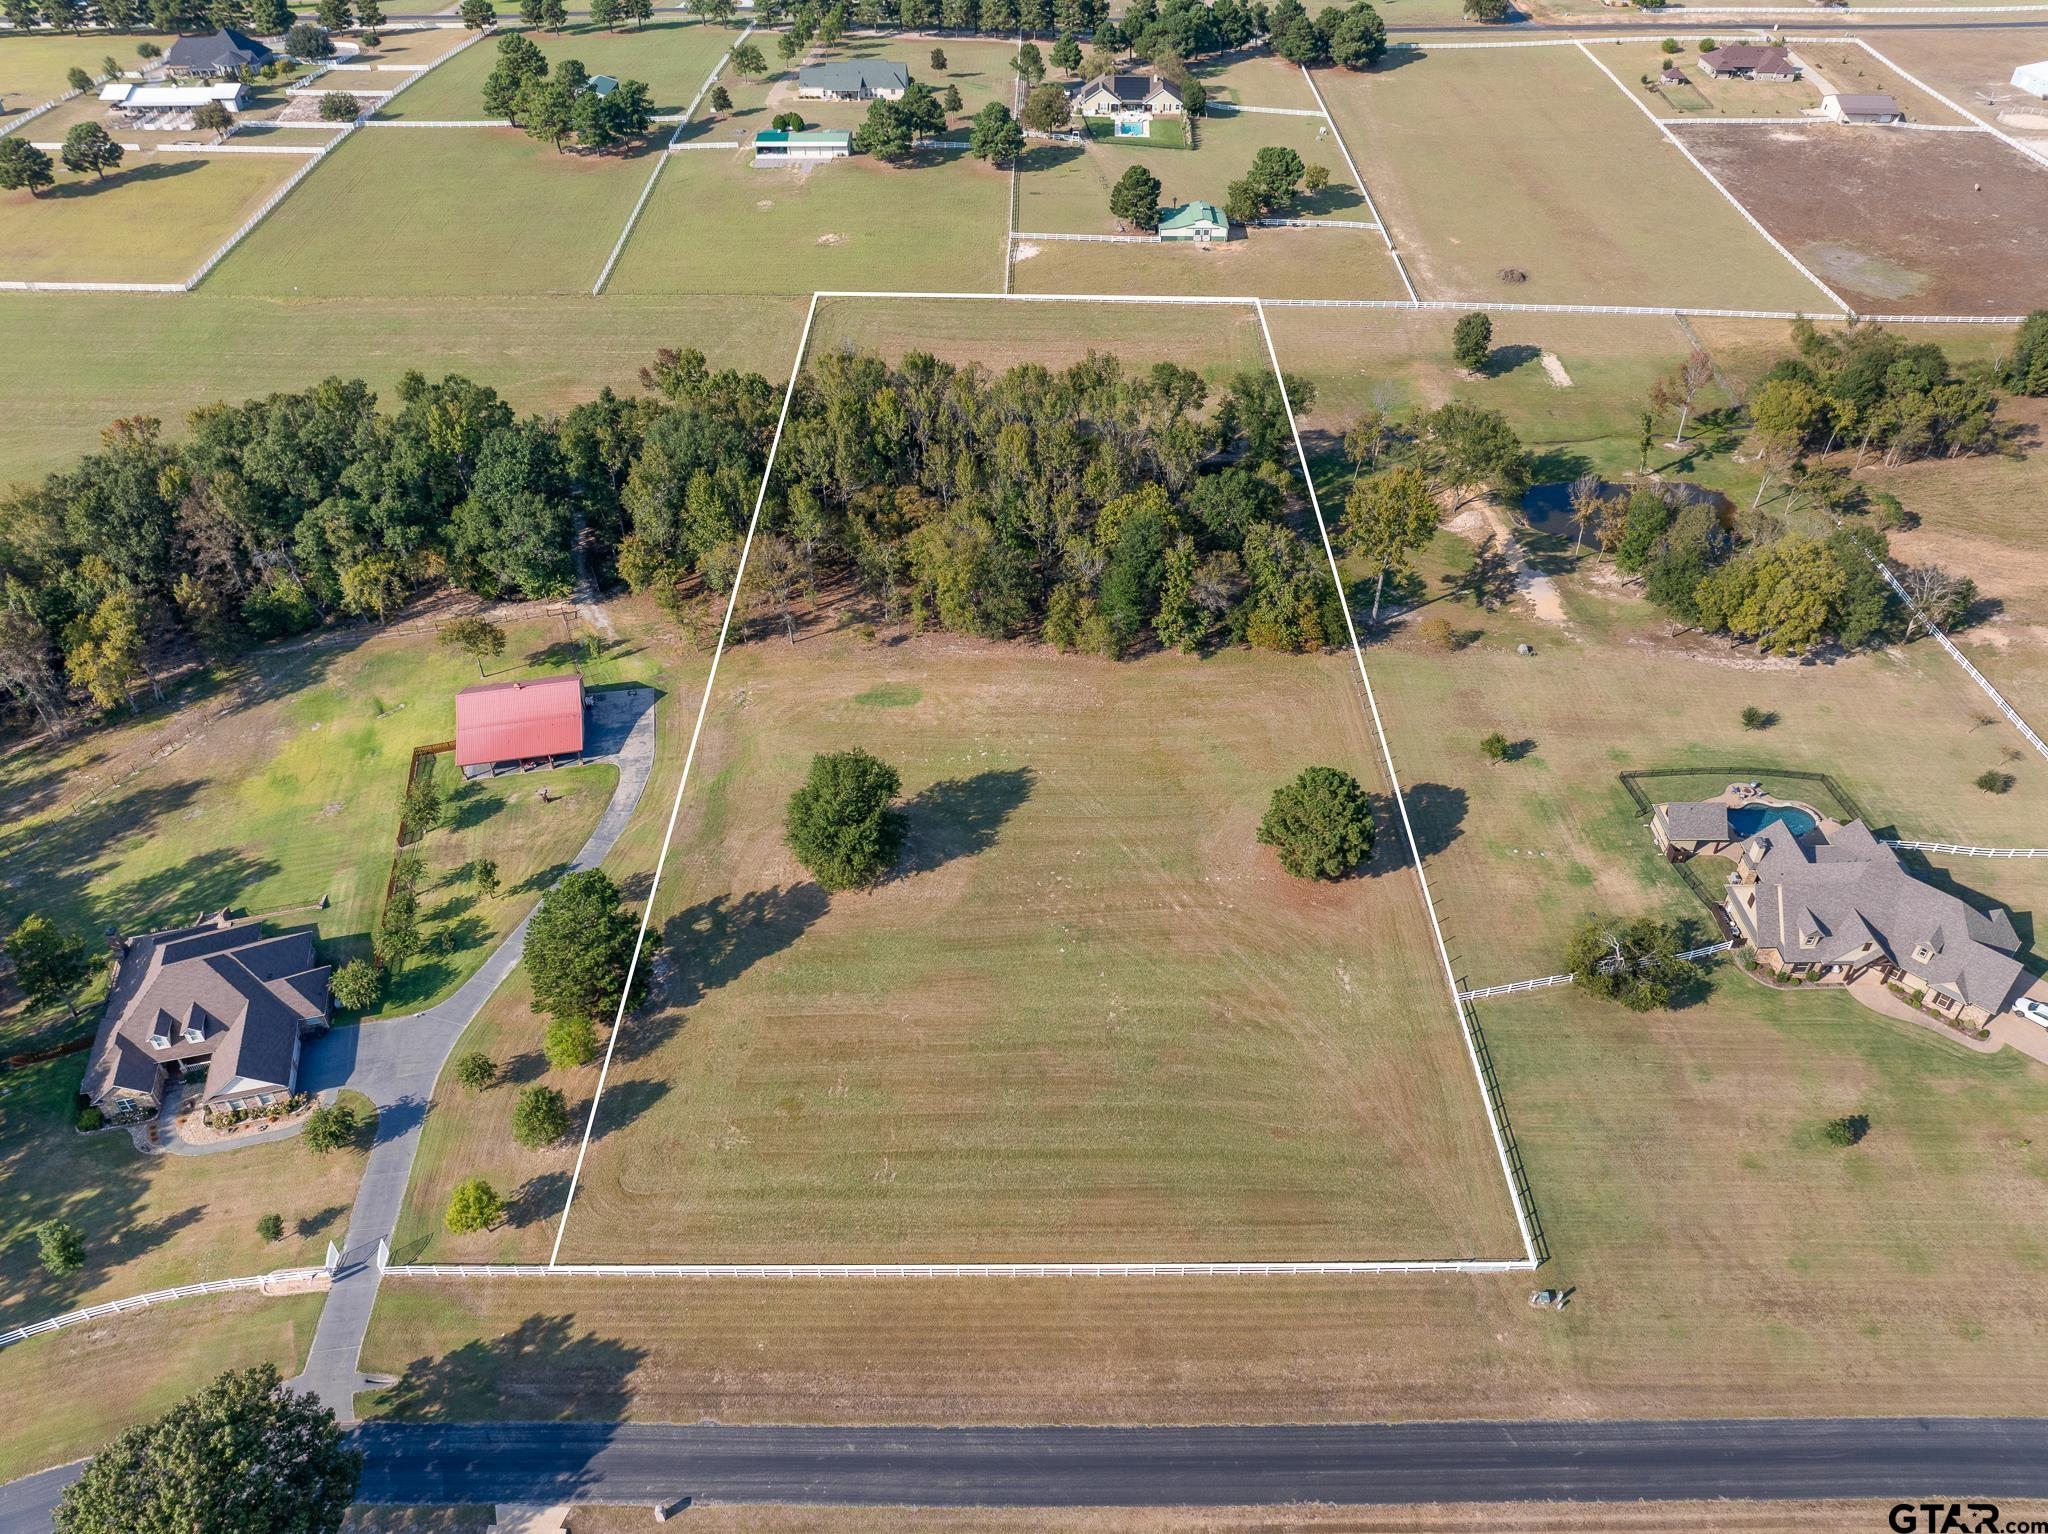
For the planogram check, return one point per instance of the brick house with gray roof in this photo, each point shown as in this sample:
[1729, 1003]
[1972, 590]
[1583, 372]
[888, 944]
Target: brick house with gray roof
[1837, 904]
[220, 997]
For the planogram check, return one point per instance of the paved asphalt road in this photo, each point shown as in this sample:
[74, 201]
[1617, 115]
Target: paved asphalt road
[1887, 1458]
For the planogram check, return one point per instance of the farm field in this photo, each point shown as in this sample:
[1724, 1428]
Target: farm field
[1272, 263]
[672, 56]
[402, 182]
[717, 224]
[1893, 220]
[154, 358]
[1641, 61]
[1973, 66]
[1064, 188]
[1463, 152]
[156, 1356]
[984, 1057]
[1677, 1167]
[155, 219]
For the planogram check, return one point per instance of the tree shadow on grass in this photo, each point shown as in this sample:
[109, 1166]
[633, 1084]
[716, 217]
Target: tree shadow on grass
[539, 1198]
[718, 940]
[960, 817]
[541, 1370]
[153, 170]
[311, 1224]
[622, 1103]
[1435, 810]
[470, 807]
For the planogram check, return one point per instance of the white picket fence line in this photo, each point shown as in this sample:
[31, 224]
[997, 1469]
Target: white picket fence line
[1659, 310]
[1514, 987]
[155, 1297]
[15, 285]
[34, 112]
[2026, 730]
[1970, 852]
[686, 148]
[1312, 223]
[239, 149]
[1110, 239]
[437, 122]
[757, 1270]
[269, 203]
[1357, 180]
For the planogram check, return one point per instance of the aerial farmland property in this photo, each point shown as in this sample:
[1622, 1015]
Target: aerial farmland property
[730, 731]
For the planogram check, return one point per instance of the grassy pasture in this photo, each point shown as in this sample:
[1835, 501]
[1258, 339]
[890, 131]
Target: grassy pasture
[534, 220]
[33, 69]
[156, 219]
[410, 45]
[1531, 159]
[1066, 1029]
[1064, 188]
[1272, 263]
[1971, 65]
[1256, 78]
[90, 1382]
[716, 224]
[673, 56]
[1853, 70]
[156, 358]
[1723, 1260]
[979, 67]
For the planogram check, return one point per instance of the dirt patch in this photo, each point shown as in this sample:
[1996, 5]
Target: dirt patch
[1927, 223]
[831, 239]
[1555, 368]
[2033, 122]
[1024, 252]
[1476, 522]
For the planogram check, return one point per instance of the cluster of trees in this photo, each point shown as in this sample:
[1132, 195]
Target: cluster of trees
[87, 147]
[557, 104]
[1097, 508]
[812, 21]
[1351, 37]
[259, 18]
[892, 129]
[1277, 175]
[1636, 962]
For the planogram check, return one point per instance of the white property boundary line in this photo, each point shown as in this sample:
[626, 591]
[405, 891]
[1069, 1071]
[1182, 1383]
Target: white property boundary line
[1488, 1097]
[1357, 180]
[154, 1297]
[689, 758]
[1515, 987]
[1954, 850]
[1715, 181]
[661, 160]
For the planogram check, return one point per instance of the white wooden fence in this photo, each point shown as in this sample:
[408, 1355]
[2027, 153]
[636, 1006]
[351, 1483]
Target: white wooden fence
[2026, 730]
[886, 1270]
[1102, 239]
[1971, 852]
[155, 1297]
[1514, 987]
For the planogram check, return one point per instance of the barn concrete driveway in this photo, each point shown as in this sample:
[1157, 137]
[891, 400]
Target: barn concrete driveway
[395, 1063]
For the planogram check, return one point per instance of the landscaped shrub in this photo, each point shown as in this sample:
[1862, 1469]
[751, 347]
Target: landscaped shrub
[473, 1206]
[476, 1070]
[1845, 1131]
[331, 1128]
[1321, 824]
[90, 1119]
[840, 825]
[540, 1117]
[59, 1247]
[271, 1227]
[339, 107]
[1994, 781]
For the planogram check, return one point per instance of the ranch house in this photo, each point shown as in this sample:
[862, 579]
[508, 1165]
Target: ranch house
[1199, 222]
[807, 146]
[218, 1000]
[225, 52]
[1872, 108]
[1832, 905]
[512, 726]
[1749, 61]
[853, 80]
[1130, 101]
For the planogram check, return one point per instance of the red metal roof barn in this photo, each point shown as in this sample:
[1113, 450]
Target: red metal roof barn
[516, 722]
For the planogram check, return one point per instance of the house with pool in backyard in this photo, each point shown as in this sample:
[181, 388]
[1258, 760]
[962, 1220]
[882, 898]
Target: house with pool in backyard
[1828, 903]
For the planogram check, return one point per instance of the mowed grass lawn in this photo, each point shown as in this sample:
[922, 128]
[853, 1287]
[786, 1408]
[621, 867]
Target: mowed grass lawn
[89, 1382]
[979, 68]
[1089, 1018]
[276, 787]
[1702, 95]
[156, 219]
[1064, 188]
[455, 213]
[1531, 159]
[1723, 1261]
[716, 224]
[1255, 78]
[1268, 263]
[672, 56]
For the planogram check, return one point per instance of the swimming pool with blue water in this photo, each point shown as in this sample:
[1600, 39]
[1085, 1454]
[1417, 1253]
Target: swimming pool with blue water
[1746, 820]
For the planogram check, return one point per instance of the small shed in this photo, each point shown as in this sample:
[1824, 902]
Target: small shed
[516, 725]
[601, 86]
[1871, 108]
[2033, 79]
[805, 146]
[1197, 221]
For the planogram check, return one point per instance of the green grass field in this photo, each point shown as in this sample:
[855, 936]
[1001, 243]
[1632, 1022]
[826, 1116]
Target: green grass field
[1271, 263]
[156, 219]
[1702, 95]
[1068, 1029]
[1064, 188]
[90, 1382]
[672, 56]
[1253, 77]
[534, 219]
[717, 224]
[1722, 1261]
[33, 69]
[1530, 159]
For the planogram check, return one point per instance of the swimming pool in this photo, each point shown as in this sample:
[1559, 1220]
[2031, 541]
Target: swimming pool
[1746, 820]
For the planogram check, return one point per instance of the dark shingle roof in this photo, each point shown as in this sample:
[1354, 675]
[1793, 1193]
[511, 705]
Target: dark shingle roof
[225, 50]
[1133, 90]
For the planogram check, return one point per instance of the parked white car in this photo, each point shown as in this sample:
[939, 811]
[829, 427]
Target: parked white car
[2033, 1011]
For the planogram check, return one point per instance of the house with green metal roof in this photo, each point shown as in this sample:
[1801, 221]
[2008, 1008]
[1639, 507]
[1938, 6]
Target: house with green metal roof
[1201, 221]
[802, 146]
